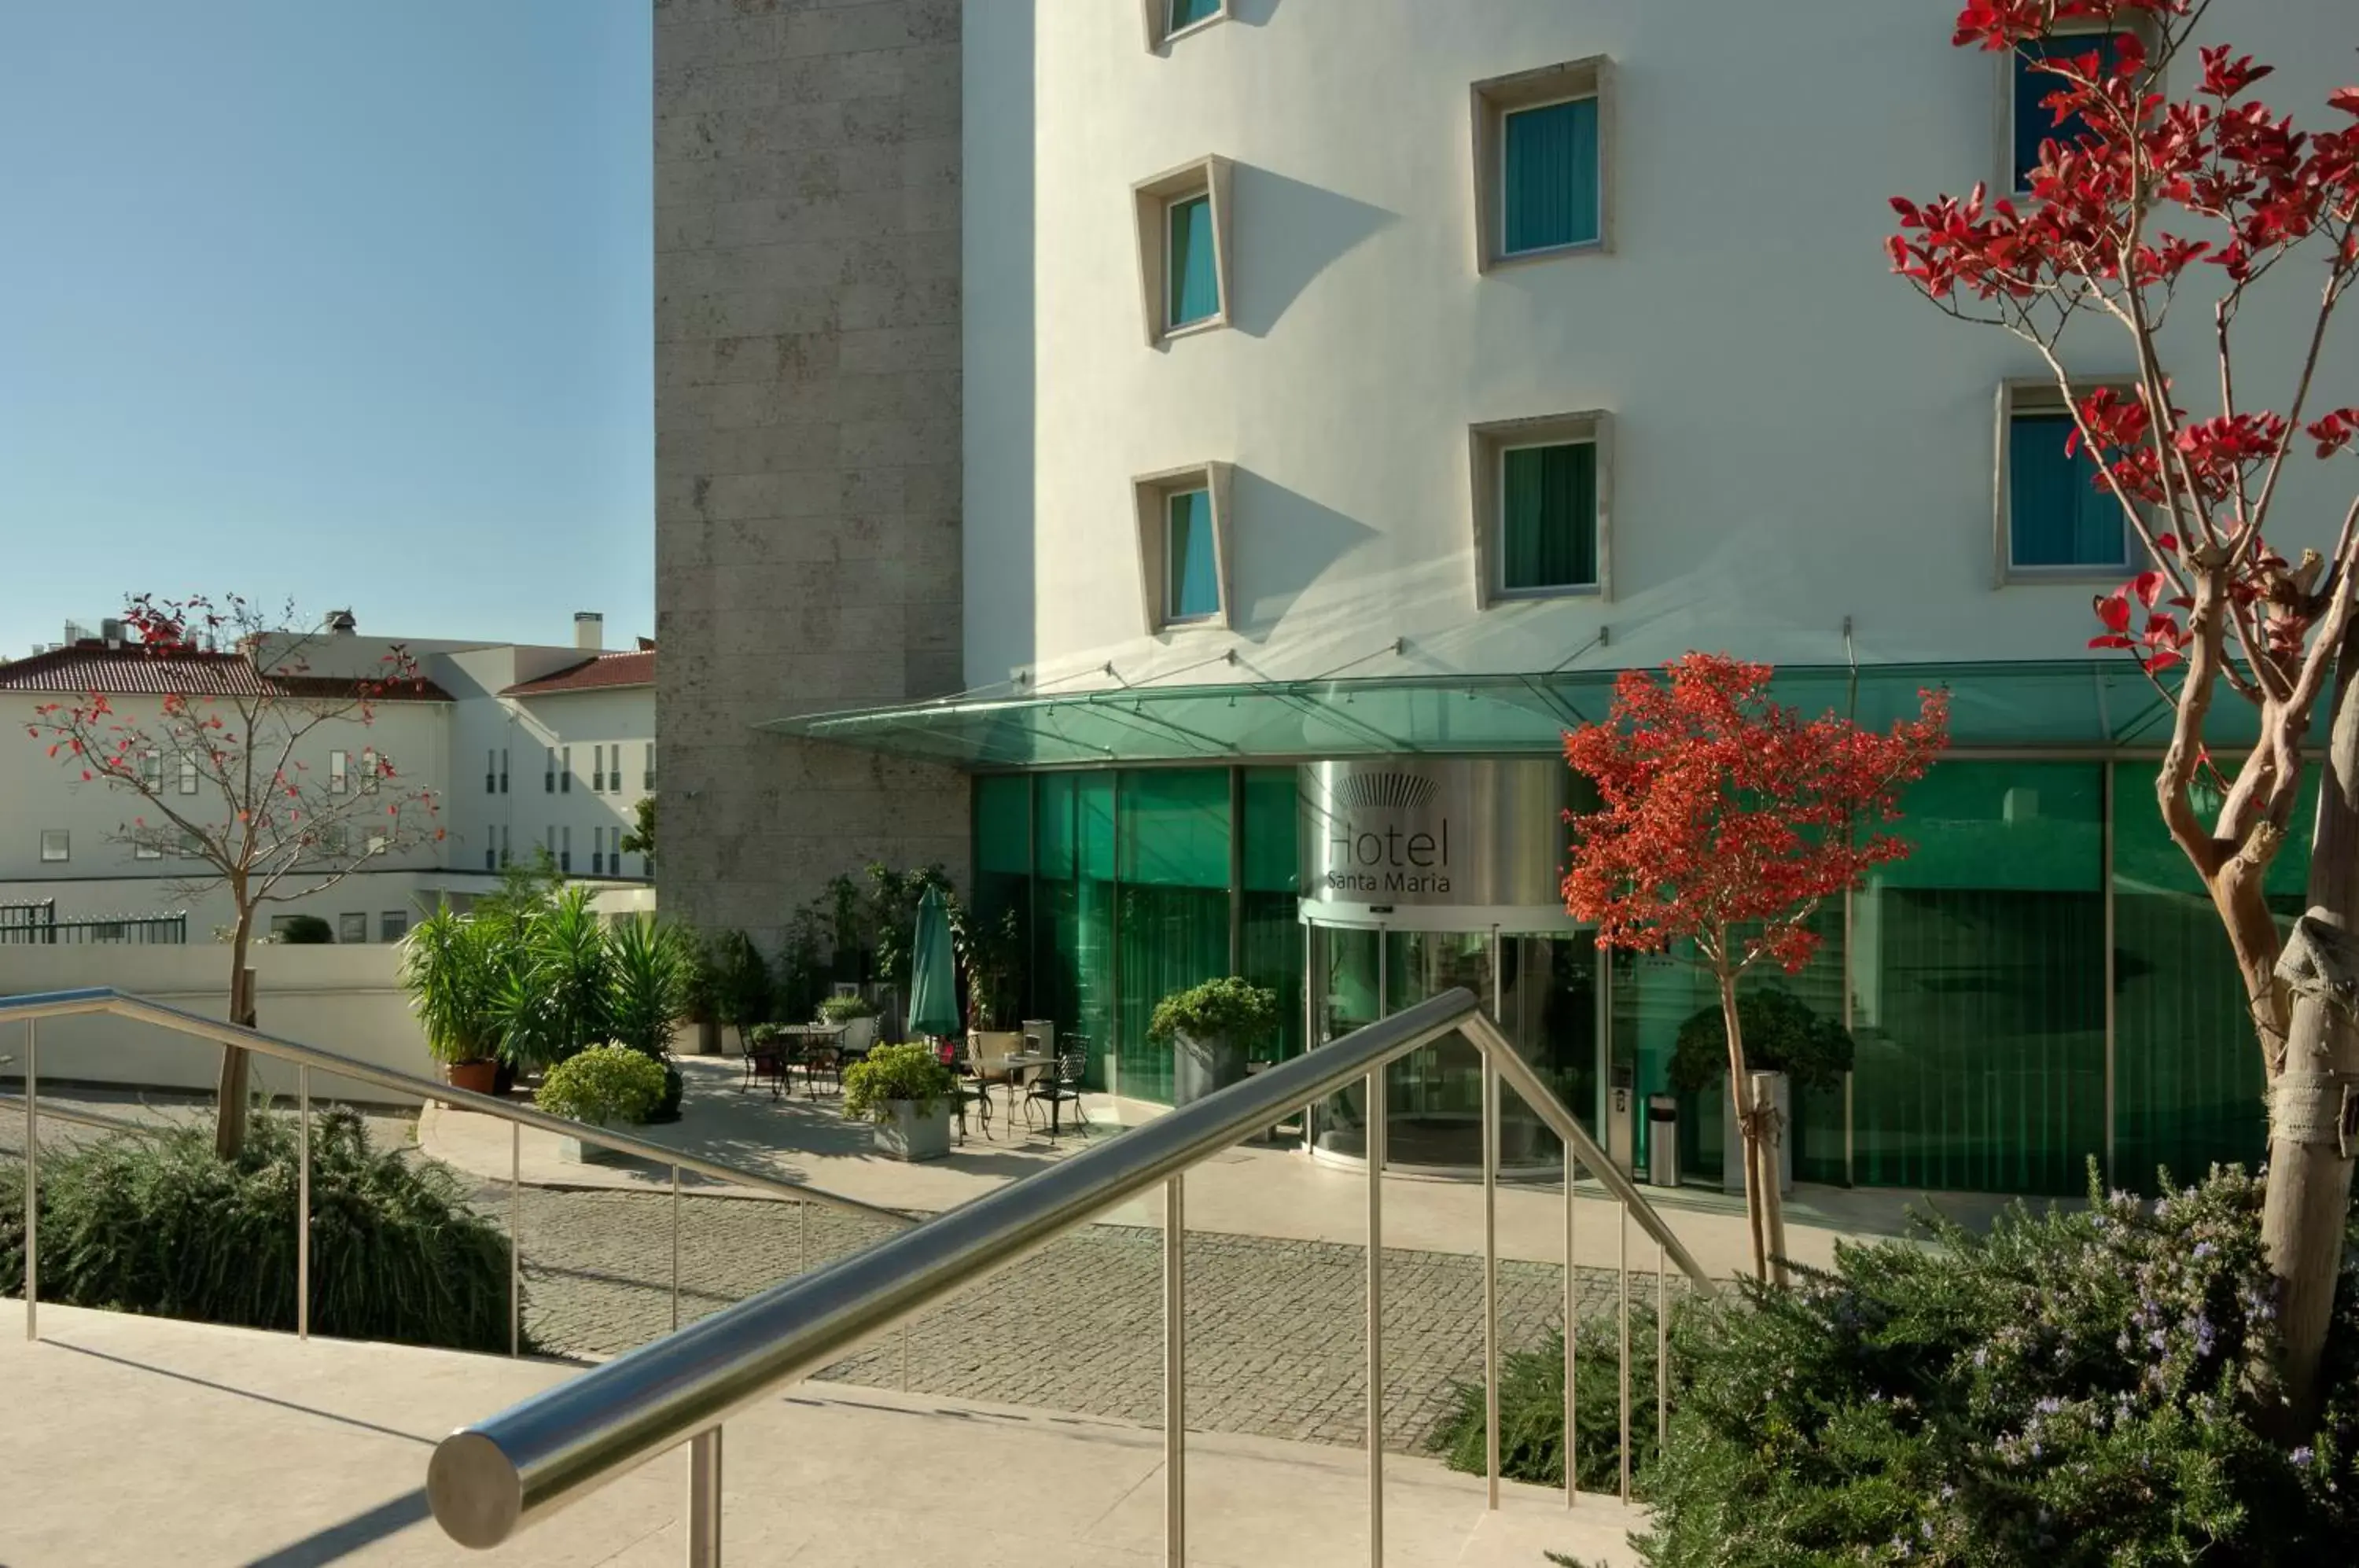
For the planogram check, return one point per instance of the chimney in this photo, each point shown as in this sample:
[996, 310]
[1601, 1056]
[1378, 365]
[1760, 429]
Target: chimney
[342, 623]
[588, 630]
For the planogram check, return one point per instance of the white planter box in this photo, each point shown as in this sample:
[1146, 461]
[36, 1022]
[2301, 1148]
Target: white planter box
[906, 1133]
[1732, 1145]
[581, 1151]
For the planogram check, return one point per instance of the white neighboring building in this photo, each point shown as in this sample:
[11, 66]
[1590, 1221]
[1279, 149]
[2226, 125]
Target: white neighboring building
[523, 746]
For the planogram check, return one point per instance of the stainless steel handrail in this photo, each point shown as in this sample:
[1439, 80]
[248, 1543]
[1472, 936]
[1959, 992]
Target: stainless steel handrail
[106, 999]
[487, 1481]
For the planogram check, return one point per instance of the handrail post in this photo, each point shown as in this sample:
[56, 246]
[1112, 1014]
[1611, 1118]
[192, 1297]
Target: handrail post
[302, 1201]
[1622, 1229]
[1491, 1278]
[32, 1181]
[1175, 1374]
[704, 1499]
[1662, 1353]
[675, 1248]
[516, 1237]
[1571, 1341]
[1375, 1152]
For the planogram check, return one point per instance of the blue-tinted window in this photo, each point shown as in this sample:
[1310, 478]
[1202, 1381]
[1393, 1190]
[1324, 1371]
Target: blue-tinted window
[1549, 516]
[1549, 167]
[1194, 587]
[2033, 121]
[1188, 13]
[1195, 283]
[2057, 514]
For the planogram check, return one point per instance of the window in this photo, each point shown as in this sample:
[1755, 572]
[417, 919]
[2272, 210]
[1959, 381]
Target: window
[352, 928]
[597, 852]
[335, 839]
[192, 847]
[503, 832]
[565, 849]
[1184, 248]
[2054, 518]
[648, 773]
[1169, 19]
[369, 768]
[1540, 506]
[598, 770]
[57, 844]
[1541, 145]
[492, 772]
[2030, 120]
[188, 776]
[393, 925]
[145, 850]
[504, 770]
[339, 778]
[548, 773]
[565, 770]
[151, 772]
[491, 850]
[1183, 546]
[376, 844]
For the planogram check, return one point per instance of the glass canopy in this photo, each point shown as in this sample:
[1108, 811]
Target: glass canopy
[2066, 706]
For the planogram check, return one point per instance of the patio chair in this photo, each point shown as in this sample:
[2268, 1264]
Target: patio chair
[987, 1053]
[765, 1059]
[969, 1086]
[1061, 1087]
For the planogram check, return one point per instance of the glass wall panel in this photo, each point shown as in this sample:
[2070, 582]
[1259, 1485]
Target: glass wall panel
[2187, 1065]
[1271, 932]
[1173, 854]
[1977, 975]
[1344, 980]
[1073, 978]
[1435, 1095]
[1003, 844]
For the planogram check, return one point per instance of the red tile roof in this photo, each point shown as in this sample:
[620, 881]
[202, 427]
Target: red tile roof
[140, 671]
[599, 672]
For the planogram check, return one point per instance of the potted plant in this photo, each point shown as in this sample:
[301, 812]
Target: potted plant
[906, 1091]
[602, 1086]
[647, 986]
[701, 991]
[857, 1014]
[1210, 1028]
[455, 969]
[1782, 1036]
[560, 983]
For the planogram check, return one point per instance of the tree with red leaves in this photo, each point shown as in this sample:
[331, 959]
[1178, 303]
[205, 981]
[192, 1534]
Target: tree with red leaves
[230, 729]
[1725, 821]
[2133, 193]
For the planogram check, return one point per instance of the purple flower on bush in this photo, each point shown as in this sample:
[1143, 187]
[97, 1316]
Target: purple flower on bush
[2302, 1455]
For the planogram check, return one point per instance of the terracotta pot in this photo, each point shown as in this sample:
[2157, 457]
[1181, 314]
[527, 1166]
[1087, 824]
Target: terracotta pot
[477, 1077]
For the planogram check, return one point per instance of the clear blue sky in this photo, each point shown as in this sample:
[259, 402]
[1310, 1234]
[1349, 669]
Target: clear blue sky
[342, 300]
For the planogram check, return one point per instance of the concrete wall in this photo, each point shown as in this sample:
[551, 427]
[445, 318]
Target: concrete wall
[1798, 437]
[806, 437]
[344, 999]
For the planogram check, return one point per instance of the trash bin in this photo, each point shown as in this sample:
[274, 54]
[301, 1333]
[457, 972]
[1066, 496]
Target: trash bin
[1663, 1140]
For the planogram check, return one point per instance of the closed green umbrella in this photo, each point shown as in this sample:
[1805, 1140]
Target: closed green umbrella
[933, 977]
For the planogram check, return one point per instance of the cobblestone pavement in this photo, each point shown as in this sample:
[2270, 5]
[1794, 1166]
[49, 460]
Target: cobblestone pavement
[1276, 1341]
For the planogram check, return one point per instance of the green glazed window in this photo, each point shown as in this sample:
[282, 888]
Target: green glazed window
[1185, 14]
[1192, 587]
[1549, 517]
[1193, 280]
[1550, 178]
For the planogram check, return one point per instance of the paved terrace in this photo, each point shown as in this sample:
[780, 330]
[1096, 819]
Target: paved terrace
[141, 1441]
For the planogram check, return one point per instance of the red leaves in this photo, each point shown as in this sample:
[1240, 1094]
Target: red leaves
[2224, 78]
[2345, 99]
[1720, 808]
[2334, 431]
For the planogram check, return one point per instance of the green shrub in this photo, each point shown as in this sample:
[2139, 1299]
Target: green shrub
[2076, 1388]
[561, 988]
[844, 1010]
[604, 1084]
[647, 974]
[1781, 1035]
[894, 1073]
[456, 969]
[1531, 1407]
[740, 983]
[1237, 1010]
[159, 1226]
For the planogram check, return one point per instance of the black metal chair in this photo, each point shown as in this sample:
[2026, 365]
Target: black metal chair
[969, 1087]
[765, 1058]
[1060, 1087]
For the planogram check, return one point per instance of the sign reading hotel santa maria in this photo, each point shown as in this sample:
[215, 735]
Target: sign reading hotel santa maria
[1432, 832]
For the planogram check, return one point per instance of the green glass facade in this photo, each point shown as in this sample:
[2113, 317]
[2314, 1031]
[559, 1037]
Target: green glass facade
[2041, 982]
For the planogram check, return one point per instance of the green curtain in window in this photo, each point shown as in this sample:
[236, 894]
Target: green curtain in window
[1551, 176]
[1188, 13]
[1550, 516]
[2034, 122]
[1194, 280]
[1172, 851]
[2057, 514]
[1977, 968]
[1194, 589]
[2187, 1067]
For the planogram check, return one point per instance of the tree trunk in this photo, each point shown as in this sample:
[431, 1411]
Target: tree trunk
[1768, 1155]
[236, 1066]
[1740, 1088]
[2309, 1176]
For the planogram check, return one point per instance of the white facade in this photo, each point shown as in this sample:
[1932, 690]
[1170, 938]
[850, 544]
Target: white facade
[608, 732]
[1798, 443]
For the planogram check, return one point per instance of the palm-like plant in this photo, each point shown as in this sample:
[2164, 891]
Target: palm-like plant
[455, 968]
[648, 966]
[556, 999]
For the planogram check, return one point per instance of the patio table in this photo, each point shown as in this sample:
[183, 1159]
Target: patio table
[807, 1040]
[1019, 1061]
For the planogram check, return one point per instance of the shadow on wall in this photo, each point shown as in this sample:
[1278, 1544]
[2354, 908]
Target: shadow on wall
[1294, 539]
[1299, 231]
[1251, 12]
